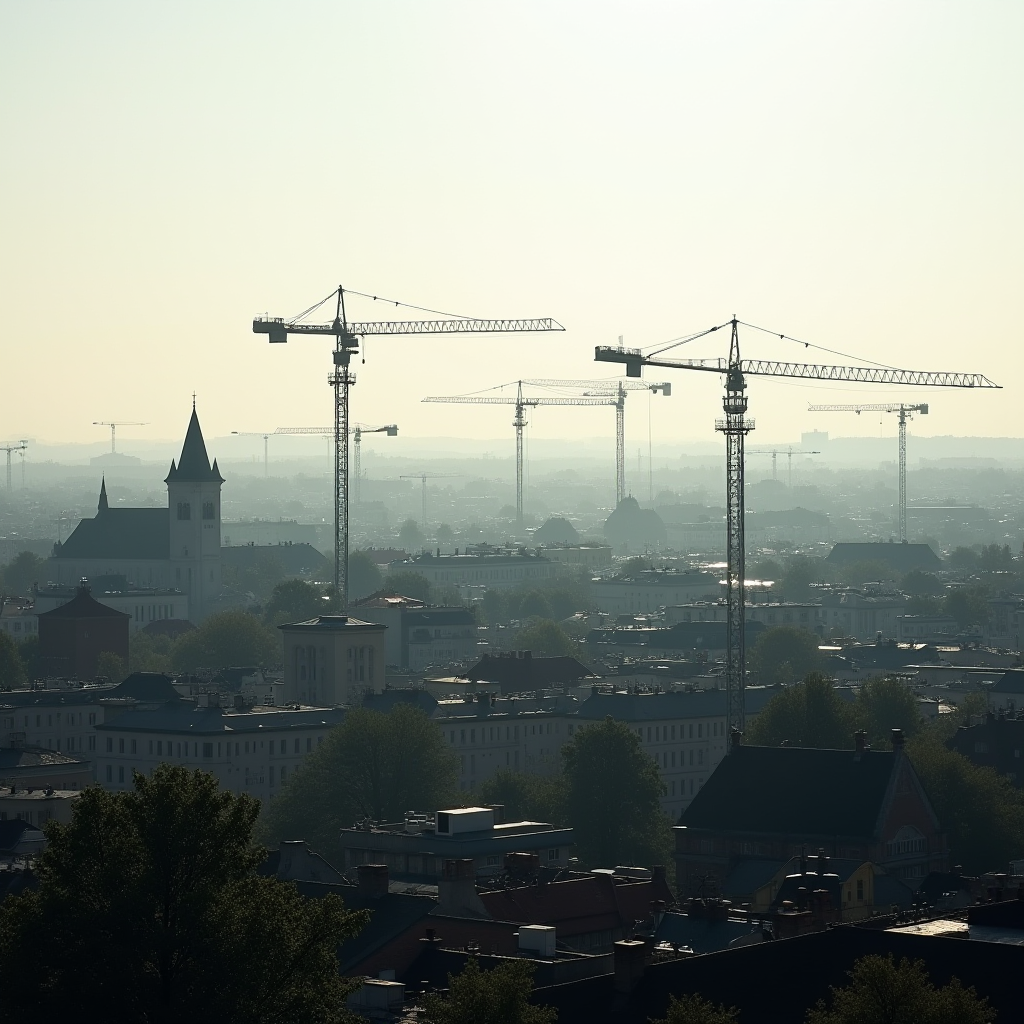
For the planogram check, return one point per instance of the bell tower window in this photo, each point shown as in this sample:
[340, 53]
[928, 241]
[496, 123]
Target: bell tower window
[184, 510]
[208, 510]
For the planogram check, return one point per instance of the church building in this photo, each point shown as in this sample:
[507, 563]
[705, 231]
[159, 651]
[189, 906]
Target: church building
[173, 548]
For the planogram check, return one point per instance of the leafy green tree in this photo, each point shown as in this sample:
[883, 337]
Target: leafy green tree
[547, 639]
[12, 668]
[525, 796]
[149, 652]
[534, 605]
[634, 565]
[497, 996]
[409, 584]
[784, 653]
[295, 601]
[982, 811]
[258, 577]
[994, 558]
[148, 909]
[613, 792]
[112, 666]
[921, 584]
[925, 606]
[801, 572]
[696, 1009]
[445, 535]
[808, 714]
[884, 705]
[968, 605]
[447, 596]
[227, 639]
[410, 536]
[884, 992]
[495, 606]
[364, 576]
[963, 558]
[17, 577]
[374, 766]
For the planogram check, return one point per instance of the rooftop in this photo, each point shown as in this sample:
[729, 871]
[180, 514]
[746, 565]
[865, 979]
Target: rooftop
[184, 717]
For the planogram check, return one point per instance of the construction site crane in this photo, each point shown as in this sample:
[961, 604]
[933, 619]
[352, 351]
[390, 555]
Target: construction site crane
[905, 413]
[735, 426]
[357, 431]
[423, 478]
[10, 448]
[521, 404]
[113, 428]
[788, 451]
[266, 448]
[346, 345]
[613, 389]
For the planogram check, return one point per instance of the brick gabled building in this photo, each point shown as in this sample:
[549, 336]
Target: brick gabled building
[770, 803]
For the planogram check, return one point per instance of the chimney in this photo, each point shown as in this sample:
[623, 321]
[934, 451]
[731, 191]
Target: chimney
[456, 890]
[629, 963]
[734, 739]
[373, 881]
[859, 738]
[822, 862]
[897, 740]
[499, 813]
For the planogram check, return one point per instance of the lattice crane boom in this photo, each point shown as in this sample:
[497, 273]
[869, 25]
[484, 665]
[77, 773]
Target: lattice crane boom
[736, 426]
[113, 428]
[346, 336]
[21, 446]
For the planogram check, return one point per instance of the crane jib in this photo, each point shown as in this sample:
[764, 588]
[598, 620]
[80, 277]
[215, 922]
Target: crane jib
[278, 330]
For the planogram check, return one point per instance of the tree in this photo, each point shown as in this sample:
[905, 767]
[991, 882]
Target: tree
[546, 638]
[12, 669]
[410, 536]
[497, 996]
[801, 572]
[295, 601]
[963, 558]
[808, 714]
[525, 796]
[884, 992]
[364, 577]
[884, 705]
[409, 584]
[17, 577]
[149, 652]
[994, 558]
[534, 604]
[227, 639]
[784, 653]
[374, 766]
[696, 1009]
[148, 909]
[112, 666]
[257, 577]
[968, 605]
[613, 792]
[445, 534]
[921, 584]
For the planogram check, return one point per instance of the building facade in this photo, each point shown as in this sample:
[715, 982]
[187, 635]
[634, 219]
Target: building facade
[73, 636]
[649, 590]
[418, 637]
[142, 605]
[479, 567]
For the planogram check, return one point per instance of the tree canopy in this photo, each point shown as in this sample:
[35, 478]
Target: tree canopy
[807, 714]
[409, 584]
[783, 654]
[410, 536]
[12, 668]
[18, 575]
[295, 601]
[884, 992]
[526, 796]
[374, 765]
[227, 639]
[546, 639]
[148, 909]
[695, 1009]
[498, 996]
[364, 576]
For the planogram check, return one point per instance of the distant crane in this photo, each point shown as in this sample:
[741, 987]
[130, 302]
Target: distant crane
[390, 429]
[905, 413]
[266, 446]
[346, 345]
[736, 426]
[21, 455]
[113, 428]
[9, 448]
[424, 477]
[521, 404]
[789, 452]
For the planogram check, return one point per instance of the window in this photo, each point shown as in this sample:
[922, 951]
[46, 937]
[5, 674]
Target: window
[700, 730]
[309, 744]
[691, 730]
[110, 773]
[120, 773]
[133, 747]
[860, 890]
[296, 746]
[492, 861]
[207, 750]
[981, 747]
[92, 742]
[209, 512]
[700, 757]
[284, 773]
[907, 840]
[159, 748]
[184, 510]
[271, 774]
[553, 854]
[110, 745]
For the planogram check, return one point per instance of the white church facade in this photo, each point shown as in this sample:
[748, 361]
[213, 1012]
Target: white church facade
[176, 548]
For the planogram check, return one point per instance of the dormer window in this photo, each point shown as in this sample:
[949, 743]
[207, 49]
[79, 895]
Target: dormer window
[184, 510]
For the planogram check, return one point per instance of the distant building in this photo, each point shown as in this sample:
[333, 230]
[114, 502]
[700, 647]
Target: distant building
[633, 528]
[703, 640]
[332, 659]
[419, 637]
[861, 615]
[177, 547]
[262, 532]
[480, 566]
[294, 560]
[142, 605]
[556, 531]
[592, 556]
[900, 558]
[772, 803]
[926, 628]
[996, 743]
[33, 768]
[74, 635]
[38, 806]
[521, 672]
[18, 619]
[1007, 694]
[803, 614]
[651, 589]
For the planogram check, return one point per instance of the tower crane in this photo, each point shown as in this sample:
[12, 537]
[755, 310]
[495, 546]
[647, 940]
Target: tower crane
[905, 413]
[357, 431]
[735, 426]
[21, 455]
[266, 448]
[614, 389]
[788, 451]
[521, 404]
[346, 344]
[9, 448]
[113, 427]
[423, 478]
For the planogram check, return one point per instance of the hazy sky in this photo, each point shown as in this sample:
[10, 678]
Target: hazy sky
[846, 173]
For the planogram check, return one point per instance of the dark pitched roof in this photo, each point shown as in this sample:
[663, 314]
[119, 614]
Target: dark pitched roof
[333, 623]
[148, 686]
[385, 701]
[294, 558]
[1012, 681]
[650, 707]
[182, 716]
[786, 790]
[16, 832]
[903, 557]
[33, 757]
[194, 464]
[527, 673]
[83, 606]
[122, 533]
[702, 934]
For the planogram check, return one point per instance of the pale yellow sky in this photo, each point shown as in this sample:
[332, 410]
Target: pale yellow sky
[845, 173]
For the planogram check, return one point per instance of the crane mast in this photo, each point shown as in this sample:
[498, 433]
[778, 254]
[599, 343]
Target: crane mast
[346, 344]
[20, 447]
[735, 426]
[789, 452]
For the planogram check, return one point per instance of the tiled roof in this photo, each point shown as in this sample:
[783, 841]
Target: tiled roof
[786, 790]
[33, 757]
[896, 556]
[121, 533]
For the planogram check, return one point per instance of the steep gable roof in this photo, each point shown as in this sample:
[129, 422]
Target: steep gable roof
[786, 790]
[142, 534]
[194, 464]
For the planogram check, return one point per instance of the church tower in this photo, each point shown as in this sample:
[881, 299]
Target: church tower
[193, 499]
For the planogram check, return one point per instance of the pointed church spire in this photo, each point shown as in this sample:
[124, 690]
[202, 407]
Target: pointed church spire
[194, 464]
[103, 506]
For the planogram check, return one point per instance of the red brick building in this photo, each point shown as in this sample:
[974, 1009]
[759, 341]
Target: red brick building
[766, 804]
[73, 636]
